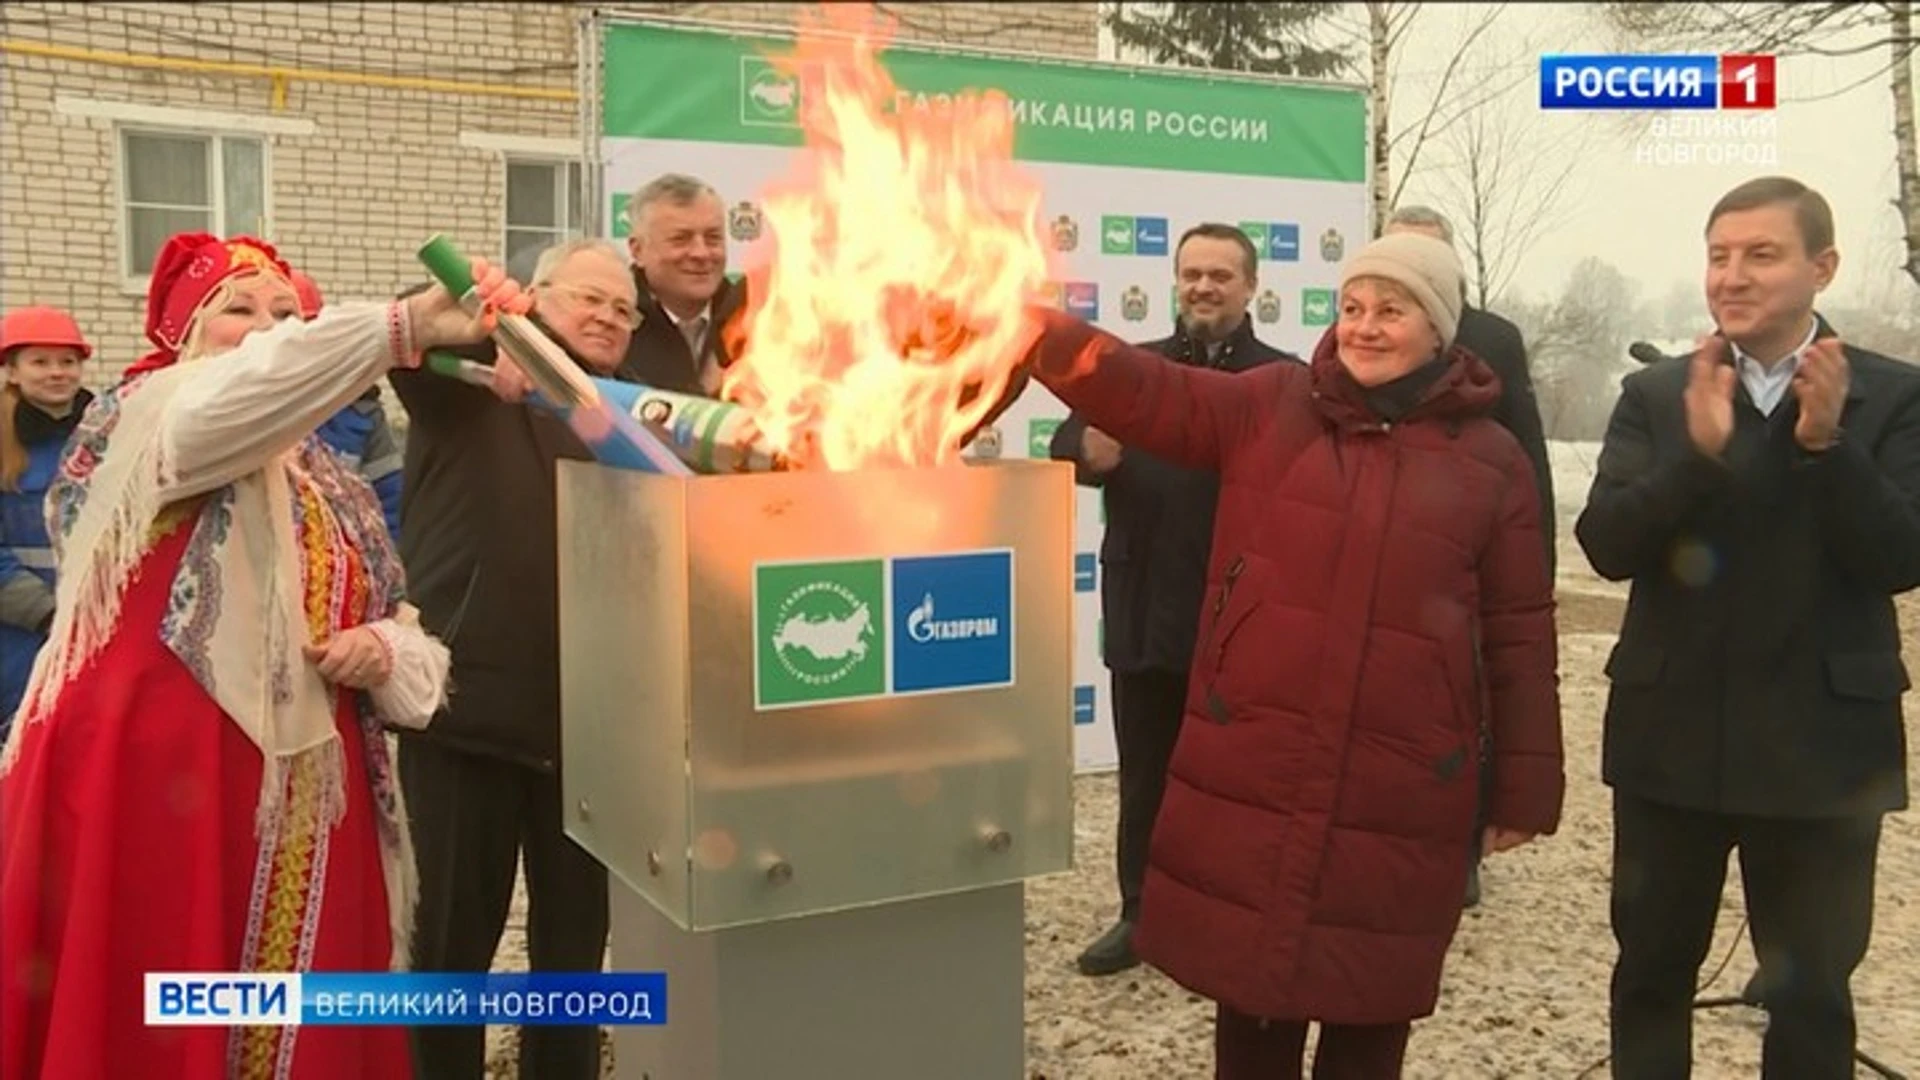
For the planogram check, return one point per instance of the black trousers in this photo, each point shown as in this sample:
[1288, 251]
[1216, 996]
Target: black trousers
[1809, 890]
[1146, 723]
[473, 818]
[1246, 1048]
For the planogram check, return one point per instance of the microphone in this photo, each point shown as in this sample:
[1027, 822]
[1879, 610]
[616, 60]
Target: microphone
[1644, 352]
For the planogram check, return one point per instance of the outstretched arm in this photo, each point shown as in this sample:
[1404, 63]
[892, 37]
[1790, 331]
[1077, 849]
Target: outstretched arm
[1187, 415]
[234, 412]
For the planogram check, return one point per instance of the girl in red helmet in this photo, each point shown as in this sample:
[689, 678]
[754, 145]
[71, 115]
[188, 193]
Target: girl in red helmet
[42, 350]
[197, 778]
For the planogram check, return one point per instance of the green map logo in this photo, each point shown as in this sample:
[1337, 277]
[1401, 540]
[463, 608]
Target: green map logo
[768, 97]
[818, 632]
[1040, 438]
[1116, 235]
[1316, 307]
[1256, 231]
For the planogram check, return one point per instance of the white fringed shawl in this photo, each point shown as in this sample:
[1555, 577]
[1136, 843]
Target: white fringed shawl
[235, 422]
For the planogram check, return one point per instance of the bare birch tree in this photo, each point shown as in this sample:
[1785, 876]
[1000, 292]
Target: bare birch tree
[1504, 187]
[1382, 25]
[1829, 29]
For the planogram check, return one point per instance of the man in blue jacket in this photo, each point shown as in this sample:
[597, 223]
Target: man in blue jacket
[360, 432]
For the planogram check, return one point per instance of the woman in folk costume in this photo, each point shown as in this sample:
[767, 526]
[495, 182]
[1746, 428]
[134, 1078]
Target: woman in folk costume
[196, 779]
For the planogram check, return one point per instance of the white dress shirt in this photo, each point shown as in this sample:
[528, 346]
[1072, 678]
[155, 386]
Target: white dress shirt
[1767, 386]
[706, 362]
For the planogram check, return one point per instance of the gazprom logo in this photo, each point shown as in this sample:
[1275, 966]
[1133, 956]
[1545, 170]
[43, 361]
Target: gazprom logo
[952, 621]
[923, 627]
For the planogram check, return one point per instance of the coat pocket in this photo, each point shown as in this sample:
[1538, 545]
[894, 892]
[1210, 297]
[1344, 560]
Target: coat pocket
[1877, 676]
[1634, 663]
[1233, 603]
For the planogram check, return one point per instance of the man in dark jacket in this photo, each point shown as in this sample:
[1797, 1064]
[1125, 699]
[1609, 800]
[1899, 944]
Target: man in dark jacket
[482, 782]
[1761, 497]
[677, 240]
[1154, 556]
[1499, 343]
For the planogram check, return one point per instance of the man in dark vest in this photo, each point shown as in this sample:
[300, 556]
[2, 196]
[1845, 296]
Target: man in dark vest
[1500, 344]
[1761, 496]
[1154, 556]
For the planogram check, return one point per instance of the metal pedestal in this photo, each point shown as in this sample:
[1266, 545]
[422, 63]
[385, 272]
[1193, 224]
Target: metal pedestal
[931, 989]
[818, 728]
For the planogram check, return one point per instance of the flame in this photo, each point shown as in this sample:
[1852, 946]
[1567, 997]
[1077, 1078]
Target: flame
[889, 306]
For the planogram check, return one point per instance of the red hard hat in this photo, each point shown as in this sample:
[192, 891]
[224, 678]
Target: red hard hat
[309, 294]
[41, 326]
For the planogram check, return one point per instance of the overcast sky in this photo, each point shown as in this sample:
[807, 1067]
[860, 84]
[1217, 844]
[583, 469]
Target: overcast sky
[1647, 219]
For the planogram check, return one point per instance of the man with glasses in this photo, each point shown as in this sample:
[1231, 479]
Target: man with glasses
[678, 242]
[482, 782]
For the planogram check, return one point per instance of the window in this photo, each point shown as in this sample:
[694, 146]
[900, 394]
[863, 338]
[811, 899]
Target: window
[176, 181]
[543, 207]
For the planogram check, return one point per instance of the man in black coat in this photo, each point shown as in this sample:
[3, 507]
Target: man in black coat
[482, 781]
[1500, 344]
[677, 239]
[1153, 557]
[1763, 497]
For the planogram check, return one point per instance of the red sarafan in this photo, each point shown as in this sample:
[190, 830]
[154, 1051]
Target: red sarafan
[1377, 606]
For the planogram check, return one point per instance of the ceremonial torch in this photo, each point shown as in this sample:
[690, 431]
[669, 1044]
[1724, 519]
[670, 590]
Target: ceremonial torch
[613, 434]
[711, 436]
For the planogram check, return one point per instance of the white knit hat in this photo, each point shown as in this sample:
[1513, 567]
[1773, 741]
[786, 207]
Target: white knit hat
[1424, 266]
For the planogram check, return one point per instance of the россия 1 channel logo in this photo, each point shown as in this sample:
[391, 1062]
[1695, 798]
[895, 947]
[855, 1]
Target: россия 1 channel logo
[1732, 81]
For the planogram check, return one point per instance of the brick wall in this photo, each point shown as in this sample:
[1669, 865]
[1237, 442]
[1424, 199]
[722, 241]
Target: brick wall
[371, 169]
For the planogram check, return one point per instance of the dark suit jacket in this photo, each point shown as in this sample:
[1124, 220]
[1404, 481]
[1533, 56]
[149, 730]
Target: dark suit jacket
[658, 355]
[1758, 670]
[1159, 529]
[482, 558]
[1498, 342]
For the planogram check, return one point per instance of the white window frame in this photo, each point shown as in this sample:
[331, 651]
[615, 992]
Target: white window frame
[511, 150]
[567, 191]
[216, 173]
[133, 118]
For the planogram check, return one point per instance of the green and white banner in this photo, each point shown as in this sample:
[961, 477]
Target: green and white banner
[1129, 159]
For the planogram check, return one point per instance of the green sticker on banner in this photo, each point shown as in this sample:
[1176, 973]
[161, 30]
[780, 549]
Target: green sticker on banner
[619, 219]
[1316, 307]
[767, 97]
[1040, 438]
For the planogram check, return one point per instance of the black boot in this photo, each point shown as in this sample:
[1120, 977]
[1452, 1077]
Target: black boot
[1473, 887]
[1112, 953]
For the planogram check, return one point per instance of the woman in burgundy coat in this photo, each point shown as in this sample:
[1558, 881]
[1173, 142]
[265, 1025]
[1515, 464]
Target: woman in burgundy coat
[1378, 606]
